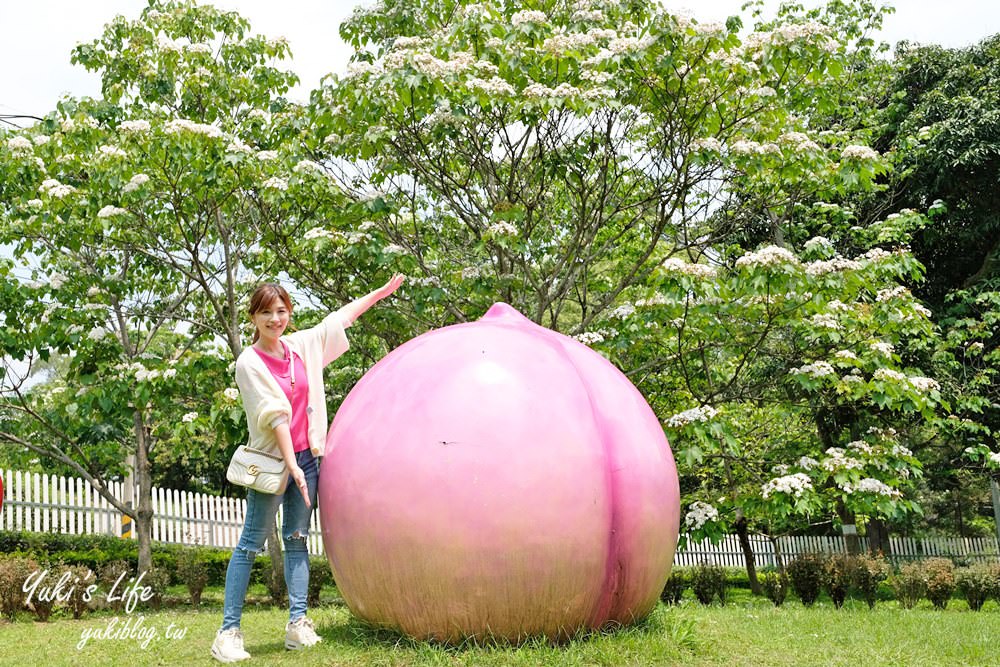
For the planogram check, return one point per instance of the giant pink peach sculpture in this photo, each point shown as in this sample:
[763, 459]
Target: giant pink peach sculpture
[497, 479]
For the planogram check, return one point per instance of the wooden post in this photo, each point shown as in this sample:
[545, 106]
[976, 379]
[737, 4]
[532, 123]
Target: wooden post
[995, 489]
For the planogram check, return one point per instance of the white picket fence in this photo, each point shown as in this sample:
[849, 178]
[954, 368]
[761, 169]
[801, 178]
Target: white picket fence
[45, 503]
[729, 554]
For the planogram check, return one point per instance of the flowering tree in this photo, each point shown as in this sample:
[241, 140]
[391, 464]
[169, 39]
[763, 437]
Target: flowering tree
[549, 154]
[138, 217]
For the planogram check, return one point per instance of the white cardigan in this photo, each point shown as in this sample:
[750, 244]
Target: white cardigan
[266, 404]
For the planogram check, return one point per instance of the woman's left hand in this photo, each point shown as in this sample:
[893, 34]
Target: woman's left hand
[390, 286]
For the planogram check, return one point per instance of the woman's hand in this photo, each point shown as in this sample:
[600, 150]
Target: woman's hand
[299, 479]
[389, 287]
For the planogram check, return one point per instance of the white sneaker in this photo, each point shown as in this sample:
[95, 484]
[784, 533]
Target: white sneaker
[228, 646]
[300, 633]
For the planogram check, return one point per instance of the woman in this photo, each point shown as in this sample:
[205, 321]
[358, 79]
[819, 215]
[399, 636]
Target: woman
[286, 411]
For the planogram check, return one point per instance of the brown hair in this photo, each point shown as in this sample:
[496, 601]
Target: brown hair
[264, 296]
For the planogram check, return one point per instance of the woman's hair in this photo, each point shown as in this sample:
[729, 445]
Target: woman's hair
[264, 296]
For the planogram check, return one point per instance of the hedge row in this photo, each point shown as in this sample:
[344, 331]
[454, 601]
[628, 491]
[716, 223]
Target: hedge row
[842, 576]
[98, 564]
[96, 551]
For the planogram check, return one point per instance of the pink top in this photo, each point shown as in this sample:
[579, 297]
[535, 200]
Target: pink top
[299, 399]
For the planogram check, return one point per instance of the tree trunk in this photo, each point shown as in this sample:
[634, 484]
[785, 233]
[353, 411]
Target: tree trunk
[878, 538]
[849, 529]
[144, 513]
[779, 560]
[277, 587]
[744, 536]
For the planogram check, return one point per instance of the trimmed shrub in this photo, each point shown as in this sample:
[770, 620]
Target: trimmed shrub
[976, 584]
[869, 572]
[115, 572]
[806, 574]
[193, 572]
[14, 570]
[910, 584]
[82, 577]
[775, 587]
[673, 590]
[157, 579]
[940, 577]
[838, 571]
[707, 582]
[319, 576]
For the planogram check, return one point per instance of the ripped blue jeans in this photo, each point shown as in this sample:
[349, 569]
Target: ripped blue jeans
[261, 509]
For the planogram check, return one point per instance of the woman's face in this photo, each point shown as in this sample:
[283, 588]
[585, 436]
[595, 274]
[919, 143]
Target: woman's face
[272, 320]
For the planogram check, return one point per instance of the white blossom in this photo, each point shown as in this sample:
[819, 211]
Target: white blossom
[860, 446]
[267, 155]
[883, 348]
[655, 300]
[994, 459]
[189, 417]
[169, 373]
[838, 461]
[889, 375]
[846, 355]
[818, 242]
[181, 125]
[807, 463]
[816, 369]
[41, 139]
[770, 256]
[529, 16]
[854, 152]
[97, 333]
[900, 451]
[871, 485]
[501, 228]
[275, 183]
[232, 393]
[924, 384]
[707, 144]
[21, 147]
[110, 211]
[317, 233]
[135, 183]
[307, 166]
[745, 147]
[622, 312]
[891, 293]
[494, 86]
[823, 267]
[134, 126]
[590, 337]
[794, 485]
[34, 204]
[677, 265]
[876, 255]
[237, 145]
[825, 321]
[55, 189]
[699, 514]
[700, 414]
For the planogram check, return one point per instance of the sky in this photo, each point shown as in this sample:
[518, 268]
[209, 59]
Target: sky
[34, 53]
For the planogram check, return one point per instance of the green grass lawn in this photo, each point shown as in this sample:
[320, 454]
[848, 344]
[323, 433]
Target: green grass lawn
[747, 631]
